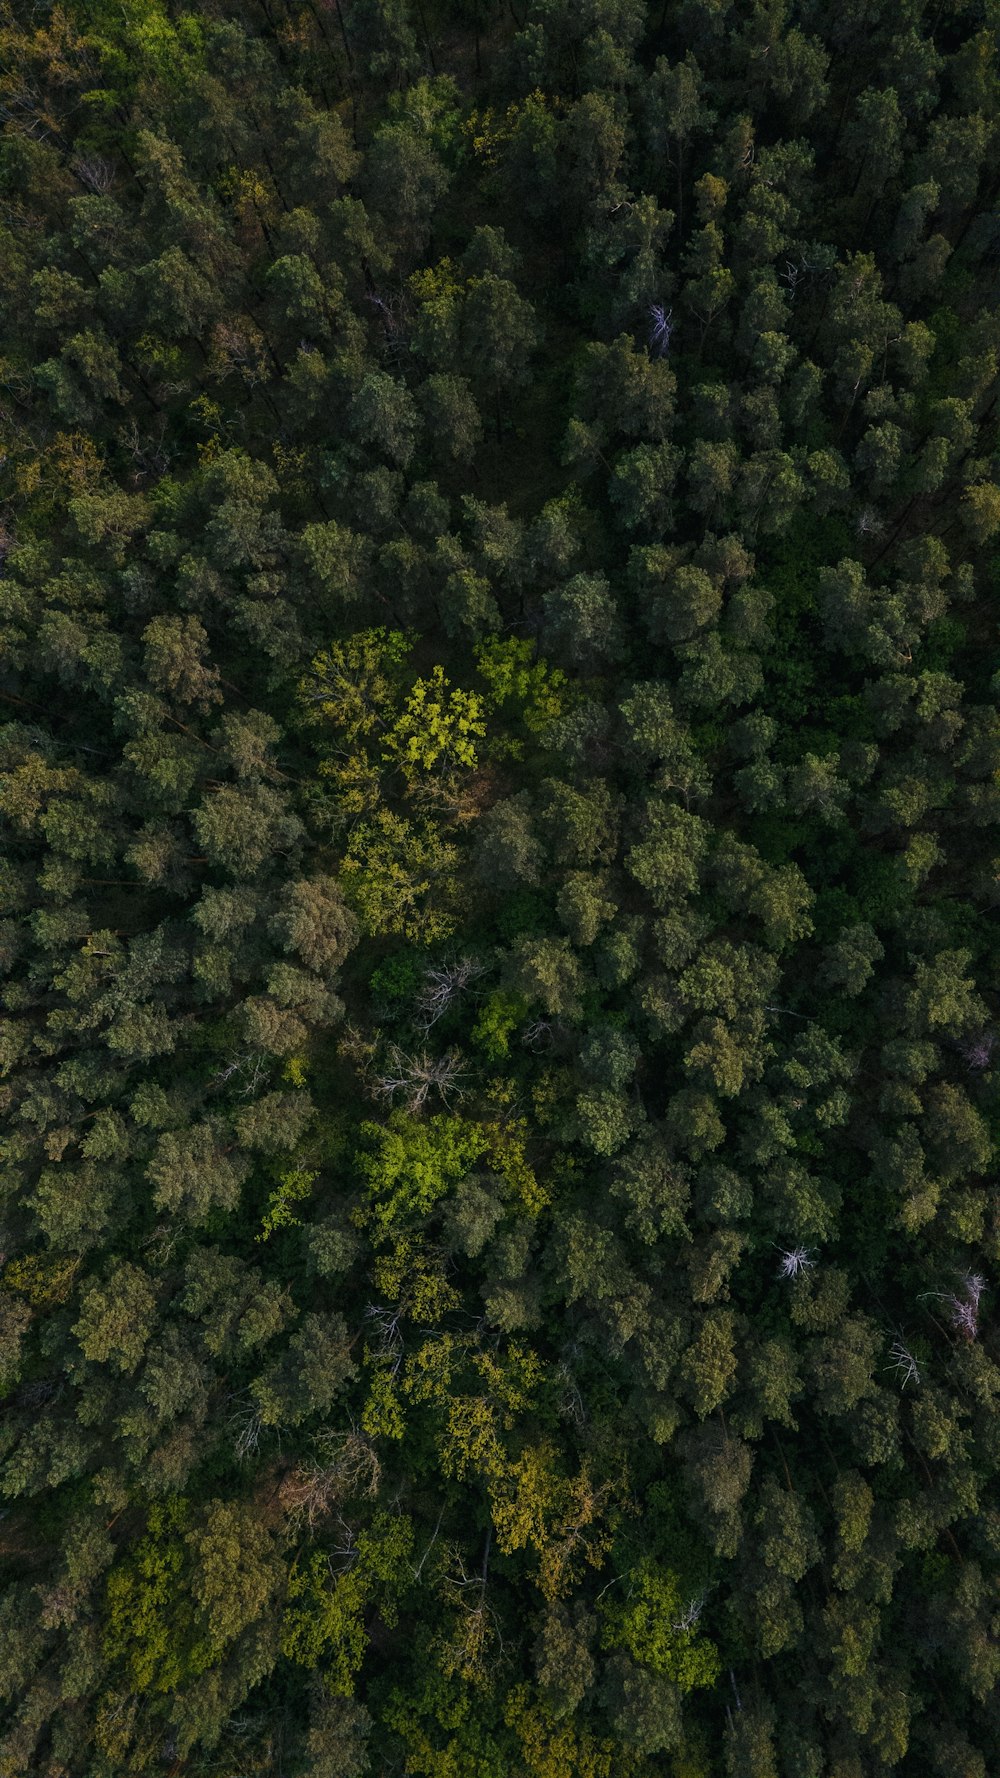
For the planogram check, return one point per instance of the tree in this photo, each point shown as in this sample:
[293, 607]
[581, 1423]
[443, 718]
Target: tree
[546, 972]
[498, 334]
[710, 1362]
[192, 1172]
[235, 1570]
[668, 863]
[241, 829]
[453, 424]
[384, 414]
[508, 850]
[620, 394]
[675, 112]
[116, 1321]
[338, 1730]
[654, 1627]
[642, 487]
[313, 921]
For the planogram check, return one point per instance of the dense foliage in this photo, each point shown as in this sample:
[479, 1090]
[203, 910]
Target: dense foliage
[500, 776]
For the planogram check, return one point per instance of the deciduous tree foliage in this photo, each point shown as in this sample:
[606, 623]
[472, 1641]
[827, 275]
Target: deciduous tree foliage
[499, 788]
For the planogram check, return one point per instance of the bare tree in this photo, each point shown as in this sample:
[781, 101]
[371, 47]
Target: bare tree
[963, 1306]
[978, 1054]
[794, 1260]
[477, 1626]
[346, 1548]
[571, 1404]
[794, 273]
[240, 346]
[249, 1423]
[387, 1337]
[250, 1072]
[392, 314]
[151, 455]
[661, 328]
[903, 1363]
[418, 1570]
[973, 1285]
[414, 1078]
[963, 1316]
[690, 1615]
[442, 987]
[347, 1466]
[95, 173]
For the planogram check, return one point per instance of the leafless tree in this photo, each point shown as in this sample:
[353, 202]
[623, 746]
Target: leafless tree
[571, 1405]
[963, 1317]
[150, 455]
[973, 1285]
[538, 1034]
[794, 1260]
[347, 1466]
[249, 1423]
[386, 310]
[661, 328]
[459, 1578]
[418, 1570]
[239, 346]
[239, 1727]
[357, 1049]
[690, 1615]
[249, 1071]
[414, 1078]
[468, 1593]
[794, 273]
[346, 1549]
[963, 1305]
[392, 314]
[903, 1363]
[387, 1337]
[95, 173]
[34, 1395]
[442, 987]
[979, 1052]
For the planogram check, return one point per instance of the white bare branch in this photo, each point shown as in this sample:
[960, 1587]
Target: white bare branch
[973, 1285]
[661, 327]
[250, 1071]
[414, 1078]
[978, 1054]
[903, 1363]
[387, 1337]
[349, 1467]
[248, 1422]
[95, 173]
[963, 1309]
[963, 1317]
[795, 1260]
[442, 987]
[690, 1615]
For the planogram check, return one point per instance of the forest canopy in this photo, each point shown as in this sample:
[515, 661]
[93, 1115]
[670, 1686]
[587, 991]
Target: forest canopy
[499, 787]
